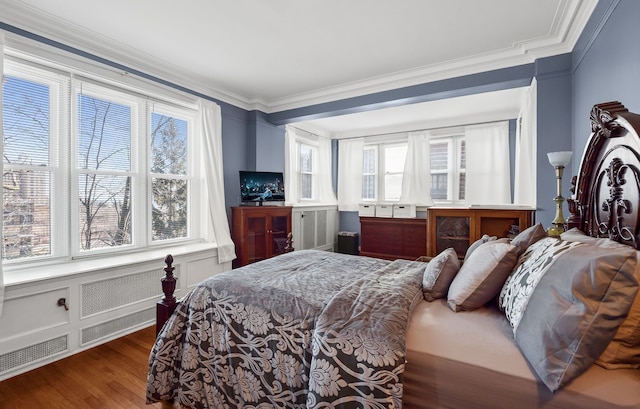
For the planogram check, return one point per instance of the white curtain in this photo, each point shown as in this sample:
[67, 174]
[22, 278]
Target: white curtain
[291, 180]
[487, 164]
[322, 181]
[350, 153]
[211, 126]
[524, 186]
[416, 180]
[1, 151]
[326, 195]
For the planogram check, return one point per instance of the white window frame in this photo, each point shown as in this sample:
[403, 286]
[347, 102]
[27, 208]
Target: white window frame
[64, 83]
[313, 147]
[380, 145]
[375, 172]
[454, 169]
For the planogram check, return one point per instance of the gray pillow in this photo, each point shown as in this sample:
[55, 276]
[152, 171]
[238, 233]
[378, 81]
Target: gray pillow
[528, 236]
[484, 239]
[624, 350]
[481, 277]
[439, 273]
[565, 301]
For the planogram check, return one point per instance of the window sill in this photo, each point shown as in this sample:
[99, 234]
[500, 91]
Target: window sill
[16, 275]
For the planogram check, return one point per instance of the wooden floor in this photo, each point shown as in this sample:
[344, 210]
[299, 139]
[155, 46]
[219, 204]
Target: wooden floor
[111, 376]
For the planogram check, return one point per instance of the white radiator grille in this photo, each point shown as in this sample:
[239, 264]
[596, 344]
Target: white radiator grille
[308, 229]
[321, 226]
[109, 328]
[33, 353]
[116, 292]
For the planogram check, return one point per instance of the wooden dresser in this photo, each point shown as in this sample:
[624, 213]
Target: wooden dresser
[393, 238]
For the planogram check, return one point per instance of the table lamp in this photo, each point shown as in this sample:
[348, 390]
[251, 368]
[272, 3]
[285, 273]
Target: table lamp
[558, 160]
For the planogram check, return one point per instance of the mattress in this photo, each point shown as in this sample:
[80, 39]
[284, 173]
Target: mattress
[470, 360]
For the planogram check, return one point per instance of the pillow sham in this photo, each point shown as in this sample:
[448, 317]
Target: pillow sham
[528, 236]
[565, 302]
[484, 239]
[624, 350]
[481, 277]
[439, 274]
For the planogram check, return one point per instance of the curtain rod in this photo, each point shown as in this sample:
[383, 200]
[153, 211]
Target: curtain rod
[413, 130]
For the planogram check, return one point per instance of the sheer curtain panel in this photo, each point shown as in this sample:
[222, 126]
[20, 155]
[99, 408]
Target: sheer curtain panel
[290, 166]
[487, 167]
[326, 195]
[211, 128]
[524, 186]
[416, 180]
[1, 152]
[350, 174]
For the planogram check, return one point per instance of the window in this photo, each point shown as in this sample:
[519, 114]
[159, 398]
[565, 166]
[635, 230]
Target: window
[369, 173]
[169, 175]
[29, 163]
[390, 159]
[448, 169]
[91, 168]
[307, 155]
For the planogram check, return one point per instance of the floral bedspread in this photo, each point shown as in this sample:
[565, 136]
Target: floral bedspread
[307, 329]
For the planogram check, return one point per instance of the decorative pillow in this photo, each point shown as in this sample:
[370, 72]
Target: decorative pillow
[528, 236]
[439, 274]
[481, 276]
[565, 301]
[484, 239]
[531, 266]
[624, 350]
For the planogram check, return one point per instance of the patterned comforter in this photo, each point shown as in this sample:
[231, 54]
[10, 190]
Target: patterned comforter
[307, 329]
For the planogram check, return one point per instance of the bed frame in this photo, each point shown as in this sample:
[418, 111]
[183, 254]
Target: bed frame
[606, 191]
[168, 303]
[605, 194]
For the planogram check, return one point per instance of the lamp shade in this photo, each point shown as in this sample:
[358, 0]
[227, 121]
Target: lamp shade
[559, 158]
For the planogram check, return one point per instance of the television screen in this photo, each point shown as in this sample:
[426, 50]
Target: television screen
[261, 186]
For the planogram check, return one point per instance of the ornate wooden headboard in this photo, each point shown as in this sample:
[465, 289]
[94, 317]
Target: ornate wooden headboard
[606, 191]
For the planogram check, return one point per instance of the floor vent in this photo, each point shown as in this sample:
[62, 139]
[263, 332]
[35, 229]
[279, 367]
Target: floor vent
[33, 353]
[105, 295]
[108, 328]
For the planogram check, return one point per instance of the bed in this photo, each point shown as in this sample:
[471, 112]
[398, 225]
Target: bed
[533, 321]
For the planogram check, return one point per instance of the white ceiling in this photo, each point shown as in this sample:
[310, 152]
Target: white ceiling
[274, 55]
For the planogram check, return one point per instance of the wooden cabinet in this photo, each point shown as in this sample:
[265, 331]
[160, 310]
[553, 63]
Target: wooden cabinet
[459, 228]
[391, 239]
[259, 232]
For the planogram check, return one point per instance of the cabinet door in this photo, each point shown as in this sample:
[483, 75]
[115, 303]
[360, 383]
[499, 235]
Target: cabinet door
[256, 238]
[278, 230]
[415, 240]
[453, 231]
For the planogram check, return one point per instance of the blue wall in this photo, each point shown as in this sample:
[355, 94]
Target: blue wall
[606, 65]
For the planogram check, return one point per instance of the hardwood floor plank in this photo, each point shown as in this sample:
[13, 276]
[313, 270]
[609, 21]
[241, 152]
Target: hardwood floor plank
[109, 376]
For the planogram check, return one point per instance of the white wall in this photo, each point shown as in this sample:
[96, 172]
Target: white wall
[104, 304]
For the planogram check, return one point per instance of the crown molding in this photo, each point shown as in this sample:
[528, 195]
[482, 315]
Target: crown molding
[571, 18]
[59, 33]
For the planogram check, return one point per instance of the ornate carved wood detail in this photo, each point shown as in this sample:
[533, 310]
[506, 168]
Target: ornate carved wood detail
[603, 127]
[607, 189]
[616, 208]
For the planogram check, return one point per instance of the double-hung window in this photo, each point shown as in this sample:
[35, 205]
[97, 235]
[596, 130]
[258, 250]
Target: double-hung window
[448, 169]
[382, 171]
[308, 155]
[92, 168]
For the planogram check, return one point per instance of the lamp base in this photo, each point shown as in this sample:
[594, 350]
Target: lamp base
[555, 230]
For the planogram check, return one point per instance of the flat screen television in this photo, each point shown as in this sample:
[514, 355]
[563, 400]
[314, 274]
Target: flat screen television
[261, 186]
